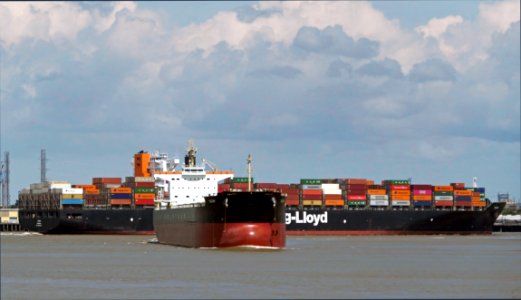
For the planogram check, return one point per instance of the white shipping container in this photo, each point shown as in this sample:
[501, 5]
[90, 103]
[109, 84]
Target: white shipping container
[378, 197]
[144, 179]
[72, 191]
[311, 187]
[443, 198]
[59, 186]
[379, 202]
[332, 186]
[401, 203]
[332, 192]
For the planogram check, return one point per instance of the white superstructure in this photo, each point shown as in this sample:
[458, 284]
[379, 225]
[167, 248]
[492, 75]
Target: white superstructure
[188, 186]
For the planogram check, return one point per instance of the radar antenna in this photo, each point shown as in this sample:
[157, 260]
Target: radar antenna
[190, 155]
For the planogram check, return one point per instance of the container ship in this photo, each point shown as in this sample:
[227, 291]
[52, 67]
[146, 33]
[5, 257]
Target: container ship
[107, 206]
[194, 212]
[355, 206]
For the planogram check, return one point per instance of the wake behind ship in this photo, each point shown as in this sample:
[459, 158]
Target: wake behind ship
[193, 213]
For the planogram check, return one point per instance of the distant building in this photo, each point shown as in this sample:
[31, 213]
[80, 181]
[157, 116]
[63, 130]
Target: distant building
[505, 197]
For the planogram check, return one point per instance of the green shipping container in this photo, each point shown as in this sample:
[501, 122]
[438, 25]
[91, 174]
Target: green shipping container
[144, 190]
[356, 203]
[241, 179]
[310, 181]
[443, 193]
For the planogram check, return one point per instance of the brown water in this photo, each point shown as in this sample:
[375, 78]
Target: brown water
[127, 267]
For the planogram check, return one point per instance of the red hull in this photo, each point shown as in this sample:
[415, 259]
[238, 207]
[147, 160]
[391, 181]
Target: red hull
[196, 235]
[378, 232]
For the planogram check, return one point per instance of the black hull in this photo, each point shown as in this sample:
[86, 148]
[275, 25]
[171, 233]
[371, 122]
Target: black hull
[88, 221]
[230, 219]
[367, 222]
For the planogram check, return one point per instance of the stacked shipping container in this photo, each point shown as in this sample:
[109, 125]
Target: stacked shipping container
[311, 192]
[356, 192]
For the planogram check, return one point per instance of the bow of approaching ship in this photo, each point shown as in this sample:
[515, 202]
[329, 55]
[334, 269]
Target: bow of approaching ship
[192, 213]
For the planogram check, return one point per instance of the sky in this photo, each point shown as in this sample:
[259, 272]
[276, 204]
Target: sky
[427, 90]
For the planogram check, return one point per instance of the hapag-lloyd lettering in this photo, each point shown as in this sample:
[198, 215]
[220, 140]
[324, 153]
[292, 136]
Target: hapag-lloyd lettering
[306, 218]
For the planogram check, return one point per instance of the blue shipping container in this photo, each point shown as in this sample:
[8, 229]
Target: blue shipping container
[462, 198]
[72, 201]
[120, 196]
[422, 203]
[480, 189]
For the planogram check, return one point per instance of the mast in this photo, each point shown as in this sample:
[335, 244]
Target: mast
[249, 172]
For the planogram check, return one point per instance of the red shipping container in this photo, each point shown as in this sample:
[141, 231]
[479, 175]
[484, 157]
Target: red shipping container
[421, 187]
[443, 203]
[106, 180]
[458, 185]
[332, 197]
[462, 203]
[356, 197]
[311, 192]
[144, 202]
[356, 181]
[399, 187]
[293, 197]
[311, 197]
[292, 202]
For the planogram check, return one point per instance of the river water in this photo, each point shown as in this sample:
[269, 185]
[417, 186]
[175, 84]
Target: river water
[136, 267]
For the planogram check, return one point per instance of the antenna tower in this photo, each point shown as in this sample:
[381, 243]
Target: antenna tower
[4, 179]
[43, 167]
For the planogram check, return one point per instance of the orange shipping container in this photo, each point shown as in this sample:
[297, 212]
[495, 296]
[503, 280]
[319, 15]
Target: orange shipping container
[334, 202]
[422, 198]
[478, 203]
[443, 188]
[84, 186]
[120, 202]
[401, 193]
[462, 193]
[401, 197]
[144, 196]
[376, 192]
[93, 191]
[121, 190]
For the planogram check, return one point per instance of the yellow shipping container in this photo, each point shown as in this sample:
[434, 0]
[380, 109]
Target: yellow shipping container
[311, 202]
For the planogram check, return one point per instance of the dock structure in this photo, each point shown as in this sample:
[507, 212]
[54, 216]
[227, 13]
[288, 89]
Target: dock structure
[9, 220]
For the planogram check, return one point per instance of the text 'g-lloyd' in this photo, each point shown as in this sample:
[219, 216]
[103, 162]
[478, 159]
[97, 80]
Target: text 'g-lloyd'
[314, 219]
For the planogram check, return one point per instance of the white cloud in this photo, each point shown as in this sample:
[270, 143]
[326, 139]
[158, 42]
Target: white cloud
[41, 20]
[465, 43]
[437, 26]
[500, 15]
